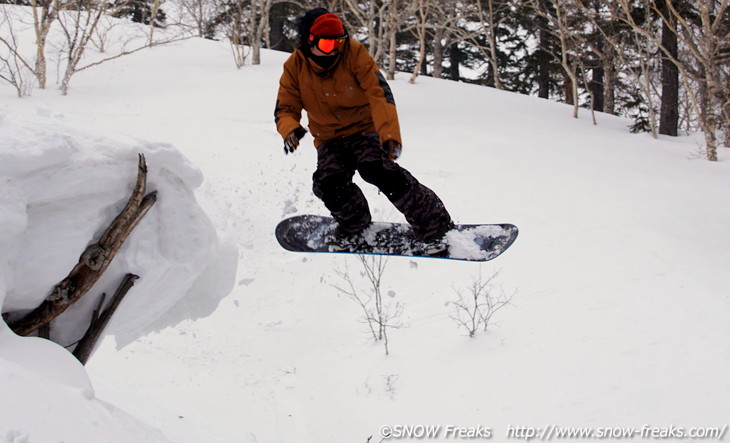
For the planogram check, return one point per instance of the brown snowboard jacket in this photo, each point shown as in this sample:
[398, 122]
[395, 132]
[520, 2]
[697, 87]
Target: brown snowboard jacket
[352, 97]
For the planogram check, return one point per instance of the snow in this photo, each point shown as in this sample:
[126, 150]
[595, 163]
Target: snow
[620, 269]
[466, 244]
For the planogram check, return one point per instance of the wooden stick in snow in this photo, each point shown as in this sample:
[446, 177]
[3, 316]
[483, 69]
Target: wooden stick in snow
[101, 319]
[93, 261]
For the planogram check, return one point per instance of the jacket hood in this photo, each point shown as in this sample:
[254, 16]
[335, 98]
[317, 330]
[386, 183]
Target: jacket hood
[305, 24]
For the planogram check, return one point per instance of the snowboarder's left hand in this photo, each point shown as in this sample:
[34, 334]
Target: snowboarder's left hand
[393, 149]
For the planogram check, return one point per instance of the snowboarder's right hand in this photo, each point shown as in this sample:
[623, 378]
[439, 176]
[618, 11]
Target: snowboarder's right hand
[291, 143]
[393, 149]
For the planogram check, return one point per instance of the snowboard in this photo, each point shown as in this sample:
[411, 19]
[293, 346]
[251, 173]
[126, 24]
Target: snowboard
[316, 233]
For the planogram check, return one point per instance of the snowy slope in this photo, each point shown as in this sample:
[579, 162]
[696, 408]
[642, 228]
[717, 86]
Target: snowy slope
[620, 317]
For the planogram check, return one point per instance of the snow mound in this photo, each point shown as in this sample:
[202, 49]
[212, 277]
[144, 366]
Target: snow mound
[62, 186]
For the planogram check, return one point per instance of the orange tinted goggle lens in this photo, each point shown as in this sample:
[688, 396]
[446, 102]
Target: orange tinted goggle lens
[328, 45]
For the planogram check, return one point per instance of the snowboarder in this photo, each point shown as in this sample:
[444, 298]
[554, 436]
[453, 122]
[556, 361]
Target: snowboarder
[354, 122]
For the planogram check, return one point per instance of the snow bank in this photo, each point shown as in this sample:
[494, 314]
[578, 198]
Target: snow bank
[60, 187]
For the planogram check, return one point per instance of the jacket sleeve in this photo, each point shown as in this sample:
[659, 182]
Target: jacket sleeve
[380, 96]
[288, 110]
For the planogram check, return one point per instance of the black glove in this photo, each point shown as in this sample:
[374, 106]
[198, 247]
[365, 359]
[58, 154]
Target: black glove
[291, 142]
[393, 149]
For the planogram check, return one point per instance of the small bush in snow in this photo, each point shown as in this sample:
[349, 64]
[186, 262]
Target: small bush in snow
[478, 303]
[379, 316]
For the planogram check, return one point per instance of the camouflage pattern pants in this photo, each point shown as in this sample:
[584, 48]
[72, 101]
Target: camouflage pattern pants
[337, 161]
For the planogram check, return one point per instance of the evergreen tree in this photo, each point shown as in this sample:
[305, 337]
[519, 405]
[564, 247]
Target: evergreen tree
[282, 26]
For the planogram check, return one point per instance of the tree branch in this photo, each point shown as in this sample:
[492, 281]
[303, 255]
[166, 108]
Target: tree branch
[101, 319]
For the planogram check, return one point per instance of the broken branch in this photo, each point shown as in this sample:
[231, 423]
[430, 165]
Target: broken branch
[93, 261]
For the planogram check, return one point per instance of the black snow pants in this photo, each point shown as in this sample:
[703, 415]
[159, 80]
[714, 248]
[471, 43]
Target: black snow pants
[337, 161]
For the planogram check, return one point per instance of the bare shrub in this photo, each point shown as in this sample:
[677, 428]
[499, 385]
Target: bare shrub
[377, 314]
[478, 303]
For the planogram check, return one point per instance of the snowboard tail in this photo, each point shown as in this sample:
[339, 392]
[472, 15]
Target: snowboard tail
[316, 233]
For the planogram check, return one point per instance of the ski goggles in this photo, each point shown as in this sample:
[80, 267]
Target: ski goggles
[328, 44]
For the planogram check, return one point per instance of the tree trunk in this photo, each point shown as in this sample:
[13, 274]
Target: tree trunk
[493, 56]
[726, 113]
[708, 119]
[438, 53]
[669, 113]
[421, 29]
[392, 54]
[391, 31]
[454, 61]
[597, 88]
[42, 26]
[259, 22]
[154, 10]
[610, 80]
[596, 85]
[40, 62]
[543, 57]
[569, 97]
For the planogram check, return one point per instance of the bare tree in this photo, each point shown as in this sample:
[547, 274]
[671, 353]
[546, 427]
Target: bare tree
[244, 24]
[591, 93]
[475, 309]
[567, 46]
[82, 22]
[491, 15]
[200, 13]
[702, 70]
[45, 12]
[379, 22]
[383, 21]
[560, 20]
[14, 69]
[392, 26]
[235, 31]
[259, 24]
[102, 33]
[635, 54]
[377, 314]
[453, 21]
[450, 22]
[79, 23]
[643, 76]
[155, 6]
[369, 16]
[603, 52]
[421, 10]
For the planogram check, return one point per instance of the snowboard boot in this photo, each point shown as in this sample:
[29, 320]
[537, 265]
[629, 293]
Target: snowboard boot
[439, 246]
[436, 248]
